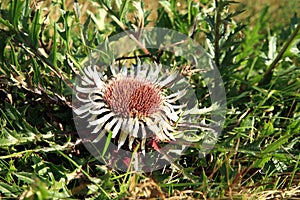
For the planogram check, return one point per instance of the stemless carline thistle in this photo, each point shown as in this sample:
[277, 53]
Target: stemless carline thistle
[133, 103]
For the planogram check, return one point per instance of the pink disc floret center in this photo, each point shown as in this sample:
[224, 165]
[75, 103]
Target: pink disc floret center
[132, 97]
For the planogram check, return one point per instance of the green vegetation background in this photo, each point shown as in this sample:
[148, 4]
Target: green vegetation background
[255, 45]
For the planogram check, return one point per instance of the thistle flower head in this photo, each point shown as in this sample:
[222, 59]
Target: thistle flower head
[133, 103]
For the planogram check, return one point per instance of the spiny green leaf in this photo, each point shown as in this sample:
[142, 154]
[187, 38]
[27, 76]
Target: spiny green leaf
[26, 177]
[266, 153]
[8, 189]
